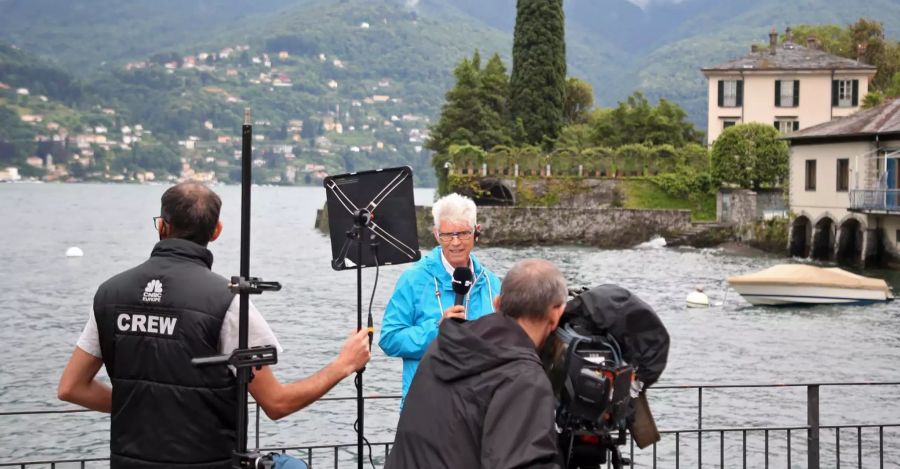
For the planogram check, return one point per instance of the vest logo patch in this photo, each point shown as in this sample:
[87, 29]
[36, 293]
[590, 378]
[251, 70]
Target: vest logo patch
[147, 323]
[153, 291]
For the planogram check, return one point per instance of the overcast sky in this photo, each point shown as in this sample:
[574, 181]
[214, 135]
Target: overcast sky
[644, 3]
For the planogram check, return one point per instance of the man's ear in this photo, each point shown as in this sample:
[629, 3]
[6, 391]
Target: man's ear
[217, 231]
[555, 315]
[497, 303]
[477, 231]
[434, 231]
[163, 229]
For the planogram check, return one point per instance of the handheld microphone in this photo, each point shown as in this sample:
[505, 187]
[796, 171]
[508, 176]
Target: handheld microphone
[462, 282]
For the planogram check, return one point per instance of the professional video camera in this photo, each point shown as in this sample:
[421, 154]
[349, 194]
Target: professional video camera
[609, 347]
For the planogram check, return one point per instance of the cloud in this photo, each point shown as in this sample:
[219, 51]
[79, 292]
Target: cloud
[412, 3]
[643, 4]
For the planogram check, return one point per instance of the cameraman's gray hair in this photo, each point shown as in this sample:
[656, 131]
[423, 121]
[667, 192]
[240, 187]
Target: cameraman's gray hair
[454, 208]
[531, 288]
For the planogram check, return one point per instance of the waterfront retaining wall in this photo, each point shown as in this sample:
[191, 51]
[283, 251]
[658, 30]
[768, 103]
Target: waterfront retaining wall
[521, 226]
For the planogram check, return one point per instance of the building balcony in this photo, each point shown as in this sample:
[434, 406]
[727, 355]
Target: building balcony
[886, 201]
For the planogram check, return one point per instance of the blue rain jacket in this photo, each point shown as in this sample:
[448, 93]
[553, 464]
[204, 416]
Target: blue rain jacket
[414, 310]
[283, 461]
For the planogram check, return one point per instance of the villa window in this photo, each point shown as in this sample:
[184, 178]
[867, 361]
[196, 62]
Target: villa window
[843, 175]
[728, 123]
[811, 175]
[845, 93]
[787, 126]
[787, 93]
[731, 93]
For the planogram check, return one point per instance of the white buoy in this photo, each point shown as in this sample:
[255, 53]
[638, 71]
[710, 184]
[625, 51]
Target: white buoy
[697, 299]
[74, 251]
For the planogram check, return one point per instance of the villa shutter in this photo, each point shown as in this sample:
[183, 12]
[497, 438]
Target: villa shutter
[777, 93]
[834, 93]
[796, 126]
[721, 93]
[740, 93]
[855, 93]
[796, 93]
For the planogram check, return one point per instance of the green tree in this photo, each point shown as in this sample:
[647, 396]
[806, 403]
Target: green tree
[475, 111]
[476, 108]
[636, 121]
[579, 100]
[538, 81]
[884, 54]
[893, 88]
[493, 92]
[873, 99]
[750, 156]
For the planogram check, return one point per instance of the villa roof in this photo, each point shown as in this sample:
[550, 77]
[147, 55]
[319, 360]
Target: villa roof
[790, 56]
[881, 120]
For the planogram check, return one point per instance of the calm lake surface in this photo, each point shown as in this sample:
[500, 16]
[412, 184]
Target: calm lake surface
[48, 298]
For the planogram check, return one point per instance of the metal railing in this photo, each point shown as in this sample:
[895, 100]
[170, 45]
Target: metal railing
[759, 446]
[882, 200]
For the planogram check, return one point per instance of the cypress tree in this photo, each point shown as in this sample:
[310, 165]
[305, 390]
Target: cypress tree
[538, 81]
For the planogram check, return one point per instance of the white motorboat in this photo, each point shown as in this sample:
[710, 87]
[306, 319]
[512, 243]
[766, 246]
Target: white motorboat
[798, 283]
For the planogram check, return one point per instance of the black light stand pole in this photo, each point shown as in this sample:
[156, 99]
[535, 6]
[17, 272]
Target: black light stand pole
[360, 412]
[243, 321]
[243, 358]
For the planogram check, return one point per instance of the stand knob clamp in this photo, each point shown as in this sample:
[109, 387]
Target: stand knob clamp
[252, 285]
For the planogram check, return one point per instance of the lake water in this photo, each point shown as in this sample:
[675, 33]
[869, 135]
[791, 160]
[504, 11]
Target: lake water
[48, 299]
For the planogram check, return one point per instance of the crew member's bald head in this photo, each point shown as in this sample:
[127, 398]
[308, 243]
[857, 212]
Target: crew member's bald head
[531, 288]
[192, 211]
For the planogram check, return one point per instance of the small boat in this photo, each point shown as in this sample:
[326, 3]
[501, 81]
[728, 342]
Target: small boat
[805, 284]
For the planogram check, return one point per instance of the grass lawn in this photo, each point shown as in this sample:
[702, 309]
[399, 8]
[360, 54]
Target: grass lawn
[641, 193]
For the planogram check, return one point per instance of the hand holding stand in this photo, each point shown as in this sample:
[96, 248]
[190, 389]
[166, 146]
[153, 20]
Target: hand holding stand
[244, 358]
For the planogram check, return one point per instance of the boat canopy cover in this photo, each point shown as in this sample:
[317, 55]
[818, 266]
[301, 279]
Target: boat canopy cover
[611, 309]
[808, 275]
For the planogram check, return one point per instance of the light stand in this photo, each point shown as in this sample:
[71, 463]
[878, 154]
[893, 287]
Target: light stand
[349, 222]
[244, 358]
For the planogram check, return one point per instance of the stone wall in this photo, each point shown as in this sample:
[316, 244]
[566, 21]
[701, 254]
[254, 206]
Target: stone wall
[744, 206]
[735, 206]
[600, 227]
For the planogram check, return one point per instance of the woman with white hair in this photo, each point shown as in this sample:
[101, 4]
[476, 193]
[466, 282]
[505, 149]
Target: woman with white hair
[424, 293]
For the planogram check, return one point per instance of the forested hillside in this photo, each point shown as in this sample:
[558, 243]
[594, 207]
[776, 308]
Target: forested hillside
[340, 84]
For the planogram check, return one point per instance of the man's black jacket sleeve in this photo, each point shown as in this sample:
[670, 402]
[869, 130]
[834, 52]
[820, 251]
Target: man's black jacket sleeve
[519, 429]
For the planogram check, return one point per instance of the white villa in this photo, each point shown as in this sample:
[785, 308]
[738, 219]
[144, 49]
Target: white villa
[845, 187]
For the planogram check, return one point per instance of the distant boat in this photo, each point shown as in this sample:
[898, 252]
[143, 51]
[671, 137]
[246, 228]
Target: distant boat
[805, 284]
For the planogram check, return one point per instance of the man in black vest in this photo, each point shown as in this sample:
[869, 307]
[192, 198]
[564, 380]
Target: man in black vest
[148, 323]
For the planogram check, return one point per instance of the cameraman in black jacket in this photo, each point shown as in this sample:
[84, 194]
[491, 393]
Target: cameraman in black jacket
[480, 398]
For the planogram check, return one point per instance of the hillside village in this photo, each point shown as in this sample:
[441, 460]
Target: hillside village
[292, 149]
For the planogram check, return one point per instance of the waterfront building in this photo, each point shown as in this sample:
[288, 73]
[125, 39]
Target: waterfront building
[845, 187]
[789, 86]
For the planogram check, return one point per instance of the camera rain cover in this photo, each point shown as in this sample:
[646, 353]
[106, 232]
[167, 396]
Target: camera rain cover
[632, 322]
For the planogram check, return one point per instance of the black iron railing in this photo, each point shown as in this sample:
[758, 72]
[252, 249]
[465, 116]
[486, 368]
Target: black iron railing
[863, 445]
[882, 200]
